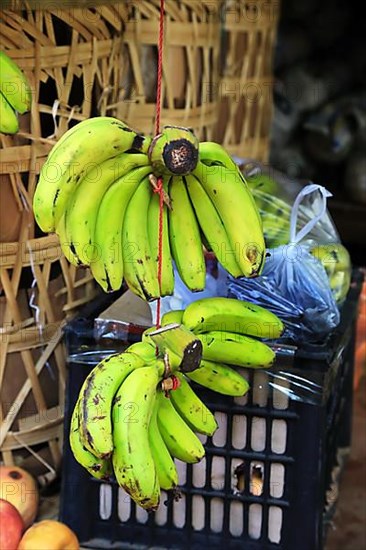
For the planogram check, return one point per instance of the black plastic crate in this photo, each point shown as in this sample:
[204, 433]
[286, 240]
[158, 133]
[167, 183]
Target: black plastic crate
[282, 449]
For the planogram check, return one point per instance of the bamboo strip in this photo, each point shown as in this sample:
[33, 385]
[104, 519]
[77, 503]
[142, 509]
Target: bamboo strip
[45, 433]
[27, 387]
[245, 89]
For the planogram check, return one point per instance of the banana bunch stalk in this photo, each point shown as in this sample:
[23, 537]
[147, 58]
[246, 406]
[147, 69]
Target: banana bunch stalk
[15, 94]
[137, 411]
[96, 190]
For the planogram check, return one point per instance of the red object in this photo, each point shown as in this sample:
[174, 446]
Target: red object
[176, 382]
[360, 351]
[159, 188]
[160, 67]
[11, 526]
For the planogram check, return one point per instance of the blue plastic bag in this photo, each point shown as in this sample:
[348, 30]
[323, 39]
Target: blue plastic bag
[216, 285]
[294, 284]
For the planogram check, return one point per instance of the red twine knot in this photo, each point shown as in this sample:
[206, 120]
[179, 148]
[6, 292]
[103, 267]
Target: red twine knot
[159, 185]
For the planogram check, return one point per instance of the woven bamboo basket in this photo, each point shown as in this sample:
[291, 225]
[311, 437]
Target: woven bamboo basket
[32, 361]
[190, 64]
[245, 89]
[67, 53]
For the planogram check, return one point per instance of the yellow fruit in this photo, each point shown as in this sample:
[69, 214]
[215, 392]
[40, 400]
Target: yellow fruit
[49, 535]
[337, 264]
[333, 256]
[262, 182]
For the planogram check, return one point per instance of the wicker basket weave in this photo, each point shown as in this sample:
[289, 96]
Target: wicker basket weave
[67, 54]
[31, 399]
[191, 62]
[63, 76]
[245, 88]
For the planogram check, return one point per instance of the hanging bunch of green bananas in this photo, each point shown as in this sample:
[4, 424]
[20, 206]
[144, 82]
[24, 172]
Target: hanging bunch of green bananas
[337, 264]
[97, 192]
[137, 410]
[15, 94]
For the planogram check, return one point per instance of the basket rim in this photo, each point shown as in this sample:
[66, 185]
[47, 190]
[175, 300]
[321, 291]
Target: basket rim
[41, 434]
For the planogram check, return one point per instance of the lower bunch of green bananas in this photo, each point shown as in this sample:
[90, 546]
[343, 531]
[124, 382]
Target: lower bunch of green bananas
[97, 191]
[137, 411]
[125, 423]
[15, 94]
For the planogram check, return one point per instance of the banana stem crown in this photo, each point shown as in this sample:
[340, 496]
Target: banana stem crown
[174, 151]
[180, 341]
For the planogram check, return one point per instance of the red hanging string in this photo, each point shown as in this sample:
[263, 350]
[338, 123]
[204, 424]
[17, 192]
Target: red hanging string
[159, 188]
[160, 67]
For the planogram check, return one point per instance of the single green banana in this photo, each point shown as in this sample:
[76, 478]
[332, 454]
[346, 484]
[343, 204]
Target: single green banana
[133, 461]
[68, 135]
[140, 269]
[233, 200]
[146, 350]
[88, 144]
[190, 407]
[231, 315]
[235, 349]
[97, 467]
[173, 316]
[274, 243]
[83, 206]
[185, 241]
[336, 261]
[14, 85]
[164, 464]
[108, 265]
[339, 282]
[8, 119]
[96, 397]
[263, 183]
[273, 221]
[167, 273]
[180, 440]
[212, 226]
[219, 378]
[276, 229]
[333, 256]
[174, 151]
[272, 204]
[214, 154]
[65, 244]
